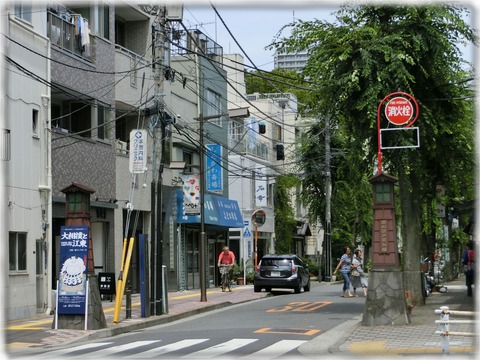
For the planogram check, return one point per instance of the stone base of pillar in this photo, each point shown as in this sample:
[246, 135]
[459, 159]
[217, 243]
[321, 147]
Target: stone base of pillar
[96, 317]
[385, 304]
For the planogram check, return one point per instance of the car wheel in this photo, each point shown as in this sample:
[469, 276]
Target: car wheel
[257, 288]
[307, 287]
[297, 289]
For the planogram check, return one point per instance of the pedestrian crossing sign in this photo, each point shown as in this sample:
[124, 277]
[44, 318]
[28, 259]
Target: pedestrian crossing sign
[246, 233]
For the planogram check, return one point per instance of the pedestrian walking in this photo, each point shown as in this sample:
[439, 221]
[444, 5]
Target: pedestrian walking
[358, 277]
[468, 261]
[344, 265]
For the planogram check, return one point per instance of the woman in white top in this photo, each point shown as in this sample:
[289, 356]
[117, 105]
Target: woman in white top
[361, 279]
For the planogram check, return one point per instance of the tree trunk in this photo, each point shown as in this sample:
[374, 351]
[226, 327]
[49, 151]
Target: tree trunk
[411, 236]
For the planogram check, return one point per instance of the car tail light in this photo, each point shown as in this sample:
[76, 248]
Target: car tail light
[257, 269]
[294, 269]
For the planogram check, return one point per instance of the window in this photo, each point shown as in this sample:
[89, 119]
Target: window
[35, 122]
[382, 192]
[188, 158]
[5, 146]
[17, 252]
[103, 116]
[23, 10]
[74, 202]
[277, 132]
[103, 26]
[213, 107]
[237, 129]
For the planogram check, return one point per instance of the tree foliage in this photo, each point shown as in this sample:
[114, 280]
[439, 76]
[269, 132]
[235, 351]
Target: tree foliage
[285, 223]
[369, 52]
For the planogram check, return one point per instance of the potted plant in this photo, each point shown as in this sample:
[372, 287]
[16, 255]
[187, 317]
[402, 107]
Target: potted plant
[238, 274]
[250, 276]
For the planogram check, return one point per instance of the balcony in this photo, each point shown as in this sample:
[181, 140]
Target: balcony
[246, 146]
[61, 32]
[128, 89]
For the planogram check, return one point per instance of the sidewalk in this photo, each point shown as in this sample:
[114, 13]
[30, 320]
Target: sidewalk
[415, 339]
[348, 338]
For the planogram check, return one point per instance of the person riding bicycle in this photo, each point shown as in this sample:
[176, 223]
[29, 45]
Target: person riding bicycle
[226, 257]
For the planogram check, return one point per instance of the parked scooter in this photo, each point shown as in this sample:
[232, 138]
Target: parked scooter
[428, 278]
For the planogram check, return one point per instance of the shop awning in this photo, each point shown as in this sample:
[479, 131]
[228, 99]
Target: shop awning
[219, 211]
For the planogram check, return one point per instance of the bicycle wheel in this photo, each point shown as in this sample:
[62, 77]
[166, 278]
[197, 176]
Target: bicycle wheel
[228, 283]
[223, 282]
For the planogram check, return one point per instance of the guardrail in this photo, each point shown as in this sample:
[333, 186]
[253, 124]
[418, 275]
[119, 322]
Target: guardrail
[444, 325]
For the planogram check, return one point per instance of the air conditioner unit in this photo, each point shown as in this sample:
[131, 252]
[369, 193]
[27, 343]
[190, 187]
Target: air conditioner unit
[121, 147]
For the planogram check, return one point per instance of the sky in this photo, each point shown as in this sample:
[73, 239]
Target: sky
[254, 24]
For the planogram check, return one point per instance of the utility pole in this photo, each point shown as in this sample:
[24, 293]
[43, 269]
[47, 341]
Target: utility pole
[203, 280]
[328, 195]
[156, 234]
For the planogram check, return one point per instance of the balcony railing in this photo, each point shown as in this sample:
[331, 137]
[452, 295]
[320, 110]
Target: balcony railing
[62, 34]
[248, 147]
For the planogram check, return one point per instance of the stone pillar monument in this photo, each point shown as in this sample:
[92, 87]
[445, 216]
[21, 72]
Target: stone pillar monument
[385, 304]
[78, 214]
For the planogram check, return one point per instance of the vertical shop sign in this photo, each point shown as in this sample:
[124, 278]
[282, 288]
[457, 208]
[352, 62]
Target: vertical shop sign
[72, 284]
[138, 151]
[214, 168]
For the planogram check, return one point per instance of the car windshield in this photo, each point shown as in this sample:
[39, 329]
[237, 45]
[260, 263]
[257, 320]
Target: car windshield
[276, 262]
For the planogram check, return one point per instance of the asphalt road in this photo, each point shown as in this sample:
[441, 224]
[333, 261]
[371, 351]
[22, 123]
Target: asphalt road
[267, 328]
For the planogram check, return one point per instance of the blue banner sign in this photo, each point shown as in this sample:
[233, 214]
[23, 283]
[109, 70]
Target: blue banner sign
[214, 168]
[72, 284]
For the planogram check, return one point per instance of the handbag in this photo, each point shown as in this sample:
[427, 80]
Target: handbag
[355, 272]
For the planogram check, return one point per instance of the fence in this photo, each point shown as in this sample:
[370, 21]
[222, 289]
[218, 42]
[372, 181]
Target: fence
[444, 325]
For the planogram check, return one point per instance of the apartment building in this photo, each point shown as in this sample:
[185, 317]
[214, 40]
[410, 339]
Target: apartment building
[264, 143]
[290, 61]
[26, 162]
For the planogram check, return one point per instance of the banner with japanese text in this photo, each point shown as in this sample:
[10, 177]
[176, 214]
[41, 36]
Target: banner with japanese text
[214, 168]
[72, 284]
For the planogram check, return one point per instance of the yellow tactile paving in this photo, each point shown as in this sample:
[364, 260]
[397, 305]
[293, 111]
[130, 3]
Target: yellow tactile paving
[379, 347]
[17, 345]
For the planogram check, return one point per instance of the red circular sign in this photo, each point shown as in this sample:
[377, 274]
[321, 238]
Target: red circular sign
[399, 110]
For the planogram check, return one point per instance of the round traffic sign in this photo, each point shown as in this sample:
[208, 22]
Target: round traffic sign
[258, 217]
[399, 110]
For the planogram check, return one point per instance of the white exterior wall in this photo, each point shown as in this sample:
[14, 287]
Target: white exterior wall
[27, 173]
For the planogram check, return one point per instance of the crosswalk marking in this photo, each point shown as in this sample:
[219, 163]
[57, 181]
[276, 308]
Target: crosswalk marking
[120, 348]
[219, 349]
[59, 353]
[182, 344]
[142, 350]
[276, 350]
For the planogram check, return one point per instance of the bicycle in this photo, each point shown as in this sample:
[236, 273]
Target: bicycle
[225, 271]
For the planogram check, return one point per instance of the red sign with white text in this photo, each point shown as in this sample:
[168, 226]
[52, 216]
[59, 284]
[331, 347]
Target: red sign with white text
[399, 110]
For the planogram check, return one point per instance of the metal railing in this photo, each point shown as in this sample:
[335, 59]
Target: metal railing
[444, 325]
[62, 34]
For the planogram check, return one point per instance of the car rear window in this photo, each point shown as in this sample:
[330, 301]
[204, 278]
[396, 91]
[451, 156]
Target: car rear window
[276, 262]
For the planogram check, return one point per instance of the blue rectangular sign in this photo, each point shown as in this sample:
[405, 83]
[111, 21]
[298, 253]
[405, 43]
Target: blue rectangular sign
[214, 168]
[72, 284]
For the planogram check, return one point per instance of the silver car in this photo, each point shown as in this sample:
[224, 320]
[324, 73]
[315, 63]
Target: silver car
[281, 271]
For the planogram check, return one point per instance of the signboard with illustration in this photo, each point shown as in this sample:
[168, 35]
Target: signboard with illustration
[191, 194]
[72, 283]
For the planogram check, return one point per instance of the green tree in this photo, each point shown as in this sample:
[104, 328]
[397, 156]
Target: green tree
[371, 51]
[278, 80]
[285, 223]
